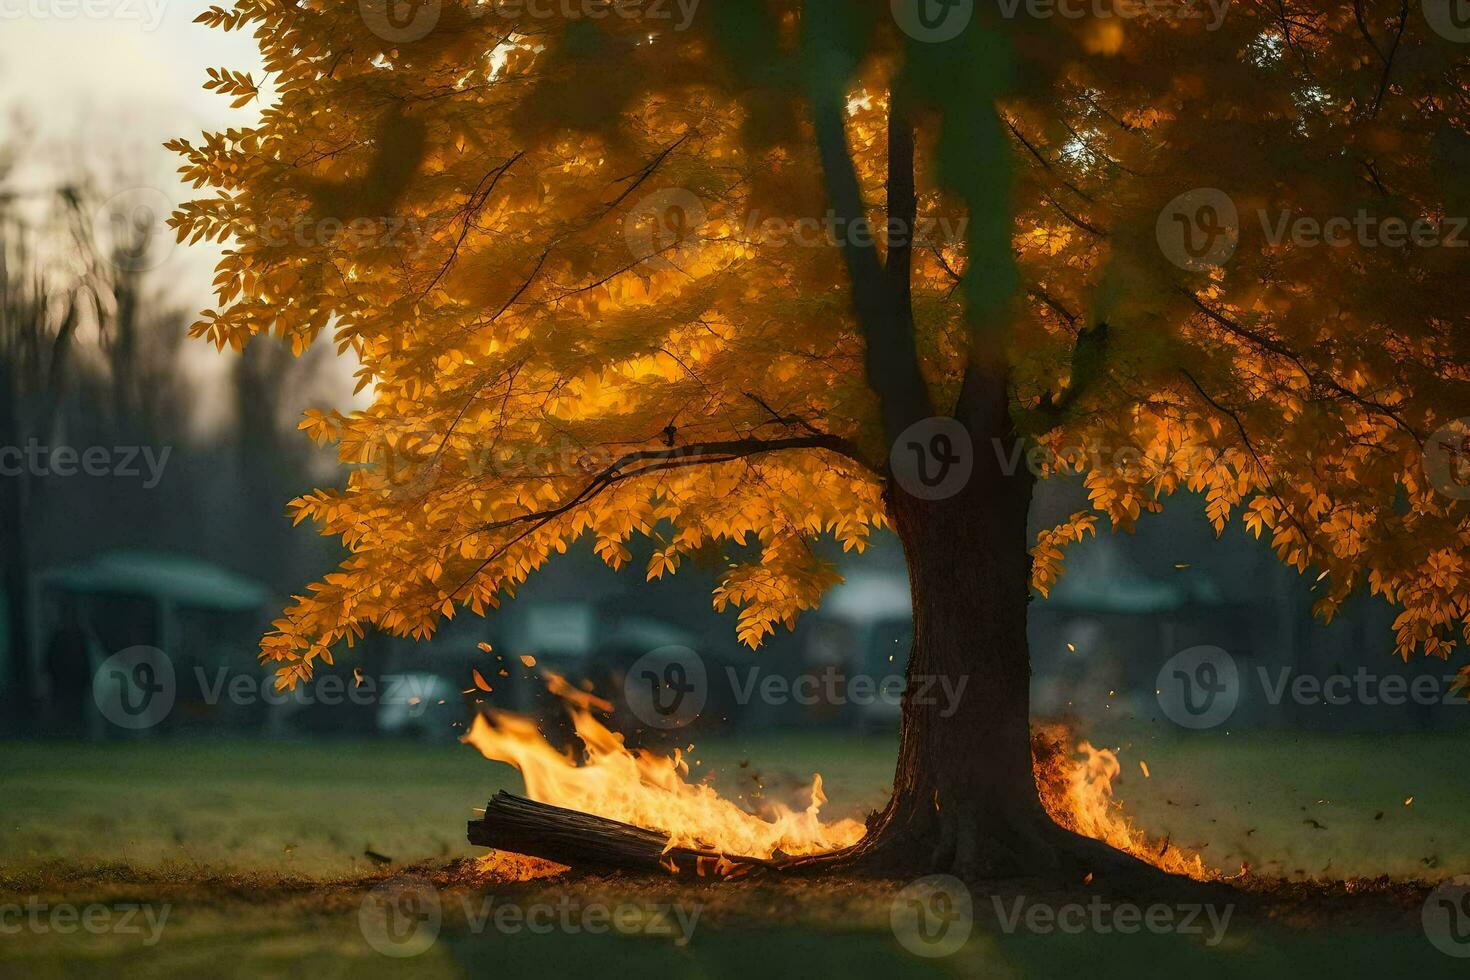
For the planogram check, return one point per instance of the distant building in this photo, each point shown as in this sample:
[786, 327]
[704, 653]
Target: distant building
[1097, 641]
[205, 618]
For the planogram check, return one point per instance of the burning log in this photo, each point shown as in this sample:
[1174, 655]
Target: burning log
[576, 839]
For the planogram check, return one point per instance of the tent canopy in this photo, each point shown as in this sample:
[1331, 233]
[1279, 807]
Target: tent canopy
[1100, 579]
[183, 581]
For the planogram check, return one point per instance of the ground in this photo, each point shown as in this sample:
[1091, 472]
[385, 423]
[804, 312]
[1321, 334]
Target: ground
[260, 851]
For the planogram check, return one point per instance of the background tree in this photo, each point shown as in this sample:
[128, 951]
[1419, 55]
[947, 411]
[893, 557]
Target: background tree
[92, 354]
[270, 388]
[547, 243]
[41, 313]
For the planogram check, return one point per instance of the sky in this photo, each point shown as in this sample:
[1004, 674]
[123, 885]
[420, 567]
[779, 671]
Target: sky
[130, 74]
[103, 83]
[100, 85]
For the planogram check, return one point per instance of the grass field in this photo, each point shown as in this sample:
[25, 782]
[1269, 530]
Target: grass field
[258, 849]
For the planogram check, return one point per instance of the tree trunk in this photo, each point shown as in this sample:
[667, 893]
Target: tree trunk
[15, 579]
[965, 799]
[964, 795]
[15, 595]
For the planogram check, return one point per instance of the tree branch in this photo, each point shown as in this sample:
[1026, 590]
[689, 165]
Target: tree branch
[903, 204]
[645, 461]
[1313, 377]
[1251, 448]
[1088, 355]
[884, 311]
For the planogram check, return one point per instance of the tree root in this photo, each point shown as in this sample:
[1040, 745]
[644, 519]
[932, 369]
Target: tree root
[1037, 851]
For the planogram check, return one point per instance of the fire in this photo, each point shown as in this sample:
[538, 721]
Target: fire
[648, 790]
[652, 791]
[1077, 792]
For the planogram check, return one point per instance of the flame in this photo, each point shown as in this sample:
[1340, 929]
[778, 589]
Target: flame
[652, 791]
[648, 790]
[1077, 792]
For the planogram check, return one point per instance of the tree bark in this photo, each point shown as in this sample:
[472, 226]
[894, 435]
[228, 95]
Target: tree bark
[964, 795]
[513, 823]
[15, 588]
[965, 799]
[15, 579]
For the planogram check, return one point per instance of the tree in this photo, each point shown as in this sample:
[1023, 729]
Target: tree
[269, 388]
[84, 346]
[40, 313]
[816, 268]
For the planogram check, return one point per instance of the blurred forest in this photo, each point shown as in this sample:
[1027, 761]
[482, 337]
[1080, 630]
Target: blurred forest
[94, 355]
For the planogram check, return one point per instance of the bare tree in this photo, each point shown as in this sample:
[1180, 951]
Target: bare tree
[40, 314]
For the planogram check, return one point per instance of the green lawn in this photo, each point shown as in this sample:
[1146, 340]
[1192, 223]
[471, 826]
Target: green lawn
[1303, 805]
[1286, 803]
[313, 808]
[257, 848]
